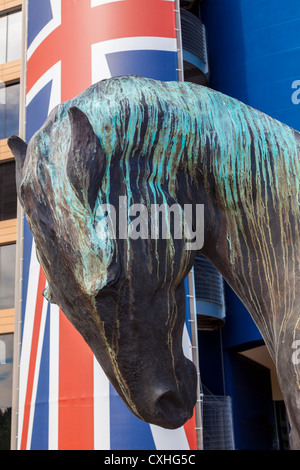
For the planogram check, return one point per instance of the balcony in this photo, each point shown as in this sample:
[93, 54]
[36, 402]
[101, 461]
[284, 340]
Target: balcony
[194, 48]
[209, 291]
[217, 423]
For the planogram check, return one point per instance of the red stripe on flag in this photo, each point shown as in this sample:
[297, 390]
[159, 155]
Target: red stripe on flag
[81, 26]
[76, 385]
[33, 354]
[191, 432]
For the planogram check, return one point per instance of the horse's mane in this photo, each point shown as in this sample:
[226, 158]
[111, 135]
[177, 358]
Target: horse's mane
[150, 128]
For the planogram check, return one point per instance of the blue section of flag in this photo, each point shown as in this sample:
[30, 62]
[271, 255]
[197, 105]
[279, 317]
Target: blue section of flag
[39, 14]
[27, 246]
[37, 110]
[187, 307]
[127, 431]
[41, 415]
[158, 65]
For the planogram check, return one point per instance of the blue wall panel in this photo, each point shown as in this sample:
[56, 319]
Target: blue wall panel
[254, 56]
[254, 53]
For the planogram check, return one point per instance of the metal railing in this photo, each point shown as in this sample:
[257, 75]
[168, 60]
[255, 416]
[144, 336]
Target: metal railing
[217, 419]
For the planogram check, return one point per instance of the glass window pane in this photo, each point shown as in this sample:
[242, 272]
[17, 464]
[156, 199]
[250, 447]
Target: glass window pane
[6, 372]
[7, 275]
[12, 110]
[3, 35]
[2, 109]
[8, 194]
[6, 362]
[14, 36]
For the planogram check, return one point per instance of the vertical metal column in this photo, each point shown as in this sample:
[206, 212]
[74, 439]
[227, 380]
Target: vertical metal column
[191, 283]
[193, 315]
[19, 245]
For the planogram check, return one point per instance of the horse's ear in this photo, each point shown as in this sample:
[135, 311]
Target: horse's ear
[86, 159]
[18, 148]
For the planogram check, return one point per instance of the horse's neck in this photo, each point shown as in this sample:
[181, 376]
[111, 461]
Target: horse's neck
[252, 231]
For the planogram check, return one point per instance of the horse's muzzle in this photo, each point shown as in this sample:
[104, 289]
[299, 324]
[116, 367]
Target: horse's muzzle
[173, 405]
[172, 412]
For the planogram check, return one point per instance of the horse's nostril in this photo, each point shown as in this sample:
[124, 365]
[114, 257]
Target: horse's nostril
[169, 401]
[172, 410]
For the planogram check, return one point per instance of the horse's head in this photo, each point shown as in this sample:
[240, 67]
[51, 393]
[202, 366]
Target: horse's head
[123, 292]
[143, 313]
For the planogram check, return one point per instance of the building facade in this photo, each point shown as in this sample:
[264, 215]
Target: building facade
[10, 73]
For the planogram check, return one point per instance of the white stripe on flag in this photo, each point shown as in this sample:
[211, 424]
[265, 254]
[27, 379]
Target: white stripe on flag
[101, 409]
[169, 439]
[186, 344]
[53, 74]
[33, 279]
[53, 377]
[37, 372]
[100, 69]
[50, 26]
[96, 3]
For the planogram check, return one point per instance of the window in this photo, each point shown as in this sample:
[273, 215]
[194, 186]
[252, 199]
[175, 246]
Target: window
[6, 369]
[2, 352]
[8, 193]
[10, 37]
[7, 276]
[9, 110]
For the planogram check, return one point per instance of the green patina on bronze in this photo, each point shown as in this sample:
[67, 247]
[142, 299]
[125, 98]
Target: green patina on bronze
[164, 143]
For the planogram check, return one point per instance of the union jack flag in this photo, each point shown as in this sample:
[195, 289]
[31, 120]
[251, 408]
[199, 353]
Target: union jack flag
[65, 400]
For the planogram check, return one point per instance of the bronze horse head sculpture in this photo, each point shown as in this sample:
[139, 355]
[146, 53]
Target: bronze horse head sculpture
[166, 143]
